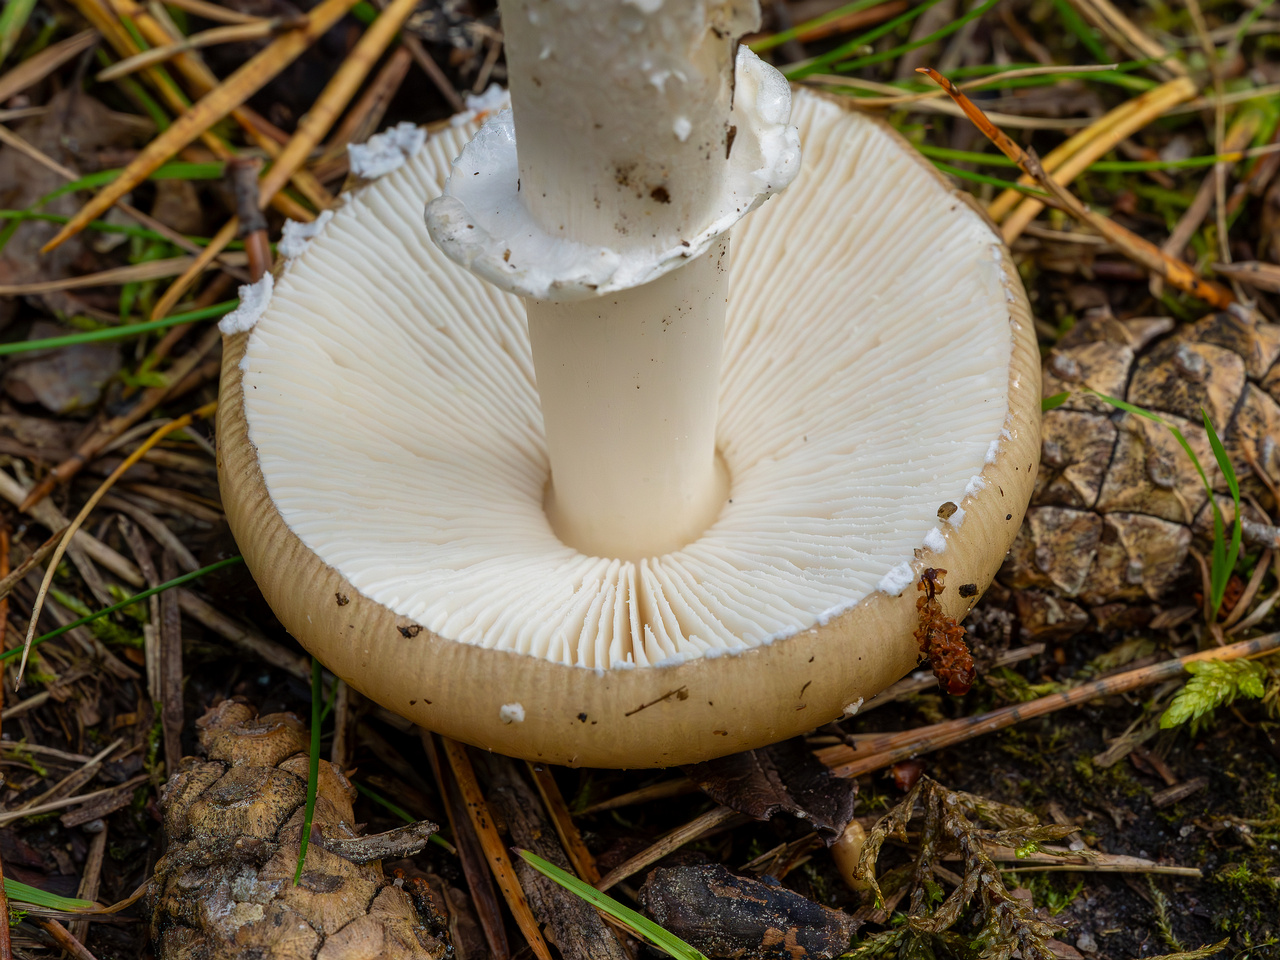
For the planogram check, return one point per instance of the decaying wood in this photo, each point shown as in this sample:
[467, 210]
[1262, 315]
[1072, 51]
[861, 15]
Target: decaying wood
[495, 853]
[569, 923]
[724, 915]
[225, 888]
[479, 880]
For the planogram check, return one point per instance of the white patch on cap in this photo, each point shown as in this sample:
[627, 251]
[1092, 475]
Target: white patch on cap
[682, 128]
[897, 579]
[297, 235]
[386, 151]
[975, 484]
[956, 518]
[254, 298]
[935, 541]
[511, 713]
[852, 708]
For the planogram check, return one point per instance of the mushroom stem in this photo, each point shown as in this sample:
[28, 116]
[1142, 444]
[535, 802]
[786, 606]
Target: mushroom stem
[622, 119]
[628, 384]
[622, 115]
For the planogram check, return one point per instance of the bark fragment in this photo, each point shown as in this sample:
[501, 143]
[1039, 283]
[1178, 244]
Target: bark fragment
[724, 915]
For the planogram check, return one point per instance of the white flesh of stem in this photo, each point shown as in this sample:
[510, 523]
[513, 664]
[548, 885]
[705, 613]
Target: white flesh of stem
[628, 385]
[621, 117]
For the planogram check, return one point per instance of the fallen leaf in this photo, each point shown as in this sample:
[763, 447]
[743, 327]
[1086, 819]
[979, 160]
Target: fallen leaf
[784, 777]
[62, 380]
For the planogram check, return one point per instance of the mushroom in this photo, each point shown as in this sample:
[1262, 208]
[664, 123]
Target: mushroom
[388, 476]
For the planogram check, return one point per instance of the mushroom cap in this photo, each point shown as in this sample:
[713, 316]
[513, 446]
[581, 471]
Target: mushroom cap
[342, 457]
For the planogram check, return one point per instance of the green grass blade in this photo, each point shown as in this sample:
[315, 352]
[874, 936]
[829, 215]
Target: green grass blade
[1100, 166]
[660, 938]
[116, 333]
[895, 52]
[778, 39]
[994, 181]
[13, 20]
[386, 804]
[404, 815]
[1054, 402]
[851, 47]
[1224, 556]
[23, 893]
[313, 766]
[169, 171]
[125, 229]
[1177, 434]
[1085, 33]
[128, 602]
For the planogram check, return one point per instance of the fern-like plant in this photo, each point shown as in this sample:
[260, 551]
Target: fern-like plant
[1213, 684]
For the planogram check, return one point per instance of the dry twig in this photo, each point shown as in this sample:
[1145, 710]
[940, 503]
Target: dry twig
[495, 850]
[237, 88]
[1133, 246]
[178, 424]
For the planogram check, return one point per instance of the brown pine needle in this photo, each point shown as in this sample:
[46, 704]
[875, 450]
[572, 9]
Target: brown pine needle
[202, 80]
[1121, 117]
[212, 11]
[311, 130]
[116, 276]
[1133, 246]
[34, 69]
[335, 96]
[236, 33]
[237, 88]
[114, 32]
[176, 289]
[184, 421]
[495, 850]
[1146, 108]
[672, 841]
[584, 864]
[365, 116]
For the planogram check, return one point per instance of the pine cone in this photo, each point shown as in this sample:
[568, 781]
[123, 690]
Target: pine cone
[1117, 502]
[233, 822]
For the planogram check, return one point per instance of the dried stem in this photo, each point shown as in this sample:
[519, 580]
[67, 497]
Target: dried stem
[880, 752]
[495, 850]
[672, 841]
[174, 425]
[237, 88]
[1146, 108]
[1135, 247]
[107, 432]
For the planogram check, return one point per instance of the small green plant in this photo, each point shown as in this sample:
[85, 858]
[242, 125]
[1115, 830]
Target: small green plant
[313, 766]
[104, 628]
[1213, 684]
[661, 938]
[1046, 893]
[951, 823]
